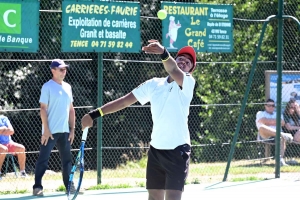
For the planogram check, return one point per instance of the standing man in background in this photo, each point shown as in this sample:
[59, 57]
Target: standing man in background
[58, 124]
[170, 98]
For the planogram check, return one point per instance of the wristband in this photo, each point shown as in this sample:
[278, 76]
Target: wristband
[165, 55]
[96, 113]
[100, 111]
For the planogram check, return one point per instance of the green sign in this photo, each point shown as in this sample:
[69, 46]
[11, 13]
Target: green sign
[100, 26]
[19, 29]
[206, 27]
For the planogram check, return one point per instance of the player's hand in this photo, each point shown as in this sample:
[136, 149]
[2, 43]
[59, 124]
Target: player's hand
[71, 136]
[154, 47]
[45, 137]
[86, 121]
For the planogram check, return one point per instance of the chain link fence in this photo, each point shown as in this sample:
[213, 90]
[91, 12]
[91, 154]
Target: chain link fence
[221, 82]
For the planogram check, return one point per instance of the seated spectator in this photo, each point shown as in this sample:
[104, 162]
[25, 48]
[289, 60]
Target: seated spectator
[291, 116]
[266, 125]
[7, 145]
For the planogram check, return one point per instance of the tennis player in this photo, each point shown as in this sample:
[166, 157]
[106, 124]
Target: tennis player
[170, 97]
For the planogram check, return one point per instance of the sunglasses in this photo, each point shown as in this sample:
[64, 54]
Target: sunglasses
[270, 105]
[62, 69]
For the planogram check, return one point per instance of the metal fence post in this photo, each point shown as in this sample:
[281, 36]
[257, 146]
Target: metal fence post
[99, 121]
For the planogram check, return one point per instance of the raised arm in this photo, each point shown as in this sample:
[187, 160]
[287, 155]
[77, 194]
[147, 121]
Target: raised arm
[297, 108]
[169, 62]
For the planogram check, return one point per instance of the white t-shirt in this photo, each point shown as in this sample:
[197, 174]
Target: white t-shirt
[264, 114]
[170, 109]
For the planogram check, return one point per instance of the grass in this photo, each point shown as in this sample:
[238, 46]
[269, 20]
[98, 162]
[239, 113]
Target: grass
[251, 178]
[106, 186]
[194, 181]
[135, 164]
[198, 173]
[141, 184]
[138, 170]
[133, 175]
[13, 192]
[61, 188]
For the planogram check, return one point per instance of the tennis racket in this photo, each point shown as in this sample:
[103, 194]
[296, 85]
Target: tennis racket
[76, 175]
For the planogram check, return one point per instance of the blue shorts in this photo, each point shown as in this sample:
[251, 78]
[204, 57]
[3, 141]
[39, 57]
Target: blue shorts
[168, 169]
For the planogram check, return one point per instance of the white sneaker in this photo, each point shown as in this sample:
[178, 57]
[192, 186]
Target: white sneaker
[23, 175]
[282, 163]
[287, 137]
[292, 162]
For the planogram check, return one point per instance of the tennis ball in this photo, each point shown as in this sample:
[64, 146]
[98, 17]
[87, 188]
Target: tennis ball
[162, 14]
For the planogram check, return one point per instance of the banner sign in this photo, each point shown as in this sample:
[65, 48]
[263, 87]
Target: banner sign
[19, 25]
[206, 27]
[101, 26]
[290, 85]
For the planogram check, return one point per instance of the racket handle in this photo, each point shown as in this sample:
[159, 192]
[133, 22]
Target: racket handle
[84, 133]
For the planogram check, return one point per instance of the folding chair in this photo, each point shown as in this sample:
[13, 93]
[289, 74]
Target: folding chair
[12, 158]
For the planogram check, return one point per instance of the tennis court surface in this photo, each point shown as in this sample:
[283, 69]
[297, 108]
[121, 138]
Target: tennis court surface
[257, 190]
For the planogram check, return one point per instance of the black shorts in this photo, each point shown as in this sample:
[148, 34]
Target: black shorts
[168, 169]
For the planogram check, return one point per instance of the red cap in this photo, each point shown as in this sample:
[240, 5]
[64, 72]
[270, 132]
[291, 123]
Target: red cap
[188, 50]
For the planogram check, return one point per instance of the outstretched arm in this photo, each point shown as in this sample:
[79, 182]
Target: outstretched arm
[119, 104]
[111, 107]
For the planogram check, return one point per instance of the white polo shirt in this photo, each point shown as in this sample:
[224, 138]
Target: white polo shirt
[170, 109]
[264, 114]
